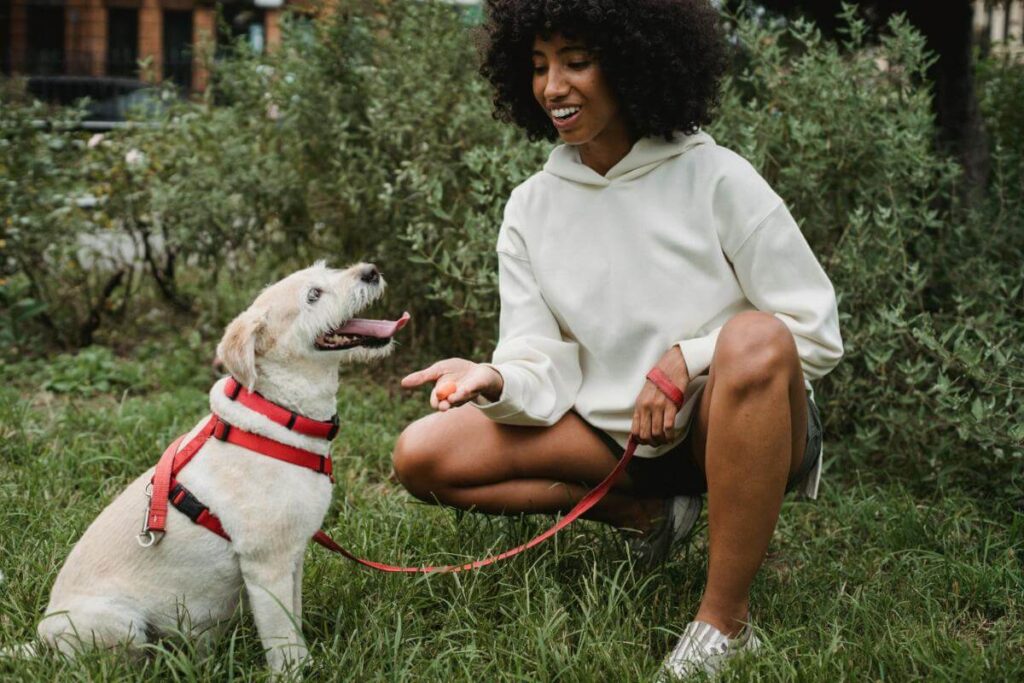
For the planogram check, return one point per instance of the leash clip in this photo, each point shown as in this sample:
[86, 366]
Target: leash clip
[148, 538]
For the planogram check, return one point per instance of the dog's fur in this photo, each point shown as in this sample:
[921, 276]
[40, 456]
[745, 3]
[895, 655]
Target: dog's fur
[111, 591]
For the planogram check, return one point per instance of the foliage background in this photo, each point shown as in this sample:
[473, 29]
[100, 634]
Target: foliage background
[368, 136]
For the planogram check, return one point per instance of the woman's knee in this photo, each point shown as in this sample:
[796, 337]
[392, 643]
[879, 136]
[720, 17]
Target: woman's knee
[417, 459]
[755, 351]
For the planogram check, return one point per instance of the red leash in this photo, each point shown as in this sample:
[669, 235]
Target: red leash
[588, 501]
[166, 490]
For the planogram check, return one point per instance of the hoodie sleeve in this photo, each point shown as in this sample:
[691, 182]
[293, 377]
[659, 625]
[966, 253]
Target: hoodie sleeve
[698, 351]
[541, 371]
[779, 273]
[775, 267]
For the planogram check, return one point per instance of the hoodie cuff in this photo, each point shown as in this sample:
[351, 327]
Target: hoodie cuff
[698, 352]
[508, 404]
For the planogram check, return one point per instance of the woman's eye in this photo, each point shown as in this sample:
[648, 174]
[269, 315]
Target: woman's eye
[314, 295]
[579, 66]
[539, 69]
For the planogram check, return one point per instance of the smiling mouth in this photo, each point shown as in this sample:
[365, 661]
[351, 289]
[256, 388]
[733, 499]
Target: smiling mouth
[565, 113]
[563, 117]
[360, 332]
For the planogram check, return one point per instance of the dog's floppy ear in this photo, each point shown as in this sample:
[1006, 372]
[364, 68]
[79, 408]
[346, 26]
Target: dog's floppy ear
[237, 350]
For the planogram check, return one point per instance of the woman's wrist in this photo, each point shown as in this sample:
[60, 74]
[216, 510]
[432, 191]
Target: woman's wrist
[492, 392]
[673, 364]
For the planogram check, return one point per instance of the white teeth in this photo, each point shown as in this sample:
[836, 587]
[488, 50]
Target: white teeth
[564, 112]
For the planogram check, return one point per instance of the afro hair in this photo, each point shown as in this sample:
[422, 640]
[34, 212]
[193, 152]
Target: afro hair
[663, 59]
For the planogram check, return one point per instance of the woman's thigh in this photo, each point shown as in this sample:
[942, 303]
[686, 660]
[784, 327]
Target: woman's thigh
[462, 447]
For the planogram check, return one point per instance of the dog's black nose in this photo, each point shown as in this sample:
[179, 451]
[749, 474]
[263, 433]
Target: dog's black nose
[370, 274]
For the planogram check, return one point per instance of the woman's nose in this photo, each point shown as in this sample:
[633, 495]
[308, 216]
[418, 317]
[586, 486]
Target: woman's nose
[556, 85]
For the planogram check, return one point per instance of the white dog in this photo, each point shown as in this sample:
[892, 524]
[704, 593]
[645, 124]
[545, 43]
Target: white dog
[287, 347]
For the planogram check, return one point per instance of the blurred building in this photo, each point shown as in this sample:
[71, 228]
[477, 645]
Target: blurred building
[111, 38]
[1000, 26]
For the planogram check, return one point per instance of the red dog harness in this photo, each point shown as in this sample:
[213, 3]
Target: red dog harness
[166, 490]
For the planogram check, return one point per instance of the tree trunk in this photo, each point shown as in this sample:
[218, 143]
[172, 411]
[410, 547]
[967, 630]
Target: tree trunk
[948, 30]
[950, 35]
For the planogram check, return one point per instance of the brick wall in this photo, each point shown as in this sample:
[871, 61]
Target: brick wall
[76, 38]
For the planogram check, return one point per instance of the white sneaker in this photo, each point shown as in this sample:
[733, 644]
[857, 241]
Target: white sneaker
[654, 547]
[702, 647]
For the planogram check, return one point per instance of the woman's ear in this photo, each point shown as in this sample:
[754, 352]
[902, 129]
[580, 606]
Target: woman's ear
[242, 339]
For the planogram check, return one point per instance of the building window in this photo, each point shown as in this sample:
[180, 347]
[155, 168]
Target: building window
[122, 42]
[245, 22]
[5, 37]
[178, 47]
[45, 50]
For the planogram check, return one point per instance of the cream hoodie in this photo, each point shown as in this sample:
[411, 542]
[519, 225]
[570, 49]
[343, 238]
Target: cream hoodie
[600, 275]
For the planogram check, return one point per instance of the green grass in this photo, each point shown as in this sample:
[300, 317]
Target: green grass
[875, 581]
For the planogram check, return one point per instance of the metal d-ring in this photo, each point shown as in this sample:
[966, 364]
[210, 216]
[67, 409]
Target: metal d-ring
[147, 538]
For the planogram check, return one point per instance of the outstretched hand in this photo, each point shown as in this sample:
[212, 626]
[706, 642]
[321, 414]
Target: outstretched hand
[457, 381]
[654, 416]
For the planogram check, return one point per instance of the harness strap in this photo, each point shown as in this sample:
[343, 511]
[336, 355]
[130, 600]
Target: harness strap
[275, 449]
[165, 490]
[289, 419]
[170, 464]
[191, 507]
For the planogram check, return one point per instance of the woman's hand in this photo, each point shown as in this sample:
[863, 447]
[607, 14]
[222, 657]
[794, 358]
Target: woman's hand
[457, 381]
[654, 416]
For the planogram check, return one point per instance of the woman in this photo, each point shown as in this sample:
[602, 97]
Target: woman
[640, 244]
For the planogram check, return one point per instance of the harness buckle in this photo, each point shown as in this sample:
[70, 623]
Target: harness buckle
[234, 389]
[148, 538]
[221, 430]
[335, 425]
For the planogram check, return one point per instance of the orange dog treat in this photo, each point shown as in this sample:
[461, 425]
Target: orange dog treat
[446, 390]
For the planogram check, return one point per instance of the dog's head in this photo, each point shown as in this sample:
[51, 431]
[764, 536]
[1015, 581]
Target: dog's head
[309, 316]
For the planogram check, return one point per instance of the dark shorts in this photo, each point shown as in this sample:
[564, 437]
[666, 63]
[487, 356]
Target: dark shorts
[674, 473]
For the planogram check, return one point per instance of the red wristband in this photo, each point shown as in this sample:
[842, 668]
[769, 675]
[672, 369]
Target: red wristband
[661, 380]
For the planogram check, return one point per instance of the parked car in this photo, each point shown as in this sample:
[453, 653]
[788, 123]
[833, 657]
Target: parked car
[110, 101]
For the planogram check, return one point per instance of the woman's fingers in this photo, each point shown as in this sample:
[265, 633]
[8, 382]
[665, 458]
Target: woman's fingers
[654, 418]
[663, 420]
[420, 377]
[668, 422]
[456, 381]
[464, 389]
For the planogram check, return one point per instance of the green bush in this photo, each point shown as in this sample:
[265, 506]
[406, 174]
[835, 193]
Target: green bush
[55, 275]
[368, 136]
[930, 293]
[401, 161]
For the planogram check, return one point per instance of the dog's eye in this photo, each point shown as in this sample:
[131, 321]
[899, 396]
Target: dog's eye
[314, 295]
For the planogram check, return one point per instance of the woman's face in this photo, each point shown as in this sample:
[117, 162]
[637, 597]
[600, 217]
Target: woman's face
[570, 87]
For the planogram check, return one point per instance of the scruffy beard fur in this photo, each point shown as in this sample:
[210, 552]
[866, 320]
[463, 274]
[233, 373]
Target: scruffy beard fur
[111, 592]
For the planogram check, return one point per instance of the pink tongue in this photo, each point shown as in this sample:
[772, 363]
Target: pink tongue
[379, 329]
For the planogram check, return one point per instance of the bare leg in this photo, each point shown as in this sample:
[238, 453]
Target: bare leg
[463, 459]
[749, 436]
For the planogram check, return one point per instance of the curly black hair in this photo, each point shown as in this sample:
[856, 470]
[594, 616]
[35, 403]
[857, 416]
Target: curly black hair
[663, 59]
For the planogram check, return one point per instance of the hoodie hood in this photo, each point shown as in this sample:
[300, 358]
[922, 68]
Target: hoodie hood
[645, 156]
